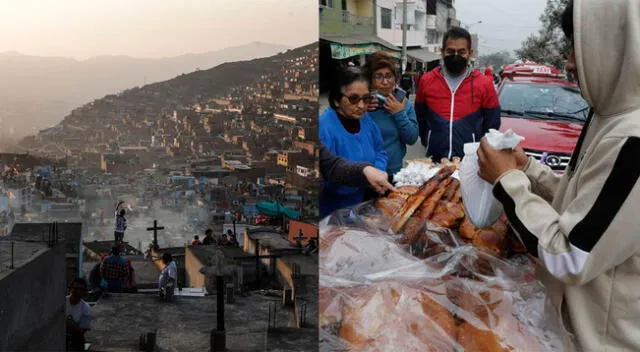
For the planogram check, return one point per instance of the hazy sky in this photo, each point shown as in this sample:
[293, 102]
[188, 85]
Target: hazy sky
[151, 28]
[505, 23]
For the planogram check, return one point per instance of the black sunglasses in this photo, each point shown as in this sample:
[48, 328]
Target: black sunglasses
[355, 99]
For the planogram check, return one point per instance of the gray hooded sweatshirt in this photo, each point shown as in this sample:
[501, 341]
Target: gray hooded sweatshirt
[584, 226]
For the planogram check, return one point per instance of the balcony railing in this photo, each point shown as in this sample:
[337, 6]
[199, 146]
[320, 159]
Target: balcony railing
[333, 21]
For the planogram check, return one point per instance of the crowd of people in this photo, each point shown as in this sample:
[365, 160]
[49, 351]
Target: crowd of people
[227, 239]
[368, 126]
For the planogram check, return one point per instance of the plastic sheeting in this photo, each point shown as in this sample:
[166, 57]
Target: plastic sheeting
[273, 209]
[436, 294]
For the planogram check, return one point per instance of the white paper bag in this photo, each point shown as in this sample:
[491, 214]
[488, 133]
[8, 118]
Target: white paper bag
[477, 195]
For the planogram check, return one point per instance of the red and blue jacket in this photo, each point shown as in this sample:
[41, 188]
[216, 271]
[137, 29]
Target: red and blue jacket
[448, 119]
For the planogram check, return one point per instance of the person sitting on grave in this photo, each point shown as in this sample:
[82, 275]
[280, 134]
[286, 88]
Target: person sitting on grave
[78, 314]
[130, 280]
[114, 270]
[196, 241]
[208, 238]
[169, 275]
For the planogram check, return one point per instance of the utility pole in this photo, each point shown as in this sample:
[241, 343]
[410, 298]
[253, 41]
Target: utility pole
[404, 36]
[375, 18]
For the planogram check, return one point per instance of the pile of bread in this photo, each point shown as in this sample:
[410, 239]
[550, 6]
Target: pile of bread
[482, 302]
[438, 204]
[445, 317]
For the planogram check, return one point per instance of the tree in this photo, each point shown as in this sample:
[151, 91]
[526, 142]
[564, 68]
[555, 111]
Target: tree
[495, 60]
[549, 46]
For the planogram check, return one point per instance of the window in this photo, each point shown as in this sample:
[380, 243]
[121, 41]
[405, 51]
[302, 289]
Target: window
[421, 21]
[326, 3]
[541, 100]
[433, 36]
[431, 7]
[386, 18]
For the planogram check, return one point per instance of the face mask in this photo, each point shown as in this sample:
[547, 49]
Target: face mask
[455, 64]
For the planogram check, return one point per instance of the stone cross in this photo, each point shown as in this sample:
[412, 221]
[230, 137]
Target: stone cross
[155, 229]
[218, 269]
[217, 262]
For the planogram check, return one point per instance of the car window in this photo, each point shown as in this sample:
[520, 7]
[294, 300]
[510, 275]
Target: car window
[544, 98]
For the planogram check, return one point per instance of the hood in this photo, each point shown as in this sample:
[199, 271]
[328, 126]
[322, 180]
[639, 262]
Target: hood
[607, 47]
[541, 135]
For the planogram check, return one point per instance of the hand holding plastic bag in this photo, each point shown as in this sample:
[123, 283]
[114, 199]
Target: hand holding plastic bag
[481, 207]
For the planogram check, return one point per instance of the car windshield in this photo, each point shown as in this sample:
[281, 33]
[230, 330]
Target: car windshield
[530, 100]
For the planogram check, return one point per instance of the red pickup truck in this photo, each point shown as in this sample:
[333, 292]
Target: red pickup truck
[539, 104]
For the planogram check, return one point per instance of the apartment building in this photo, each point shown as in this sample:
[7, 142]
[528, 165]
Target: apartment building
[389, 25]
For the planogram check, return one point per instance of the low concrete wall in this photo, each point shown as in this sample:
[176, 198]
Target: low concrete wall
[32, 304]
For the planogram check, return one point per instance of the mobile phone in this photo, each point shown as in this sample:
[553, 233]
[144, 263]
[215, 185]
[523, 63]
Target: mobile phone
[381, 100]
[399, 94]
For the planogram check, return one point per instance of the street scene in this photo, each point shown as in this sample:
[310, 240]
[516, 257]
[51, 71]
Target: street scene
[175, 215]
[484, 175]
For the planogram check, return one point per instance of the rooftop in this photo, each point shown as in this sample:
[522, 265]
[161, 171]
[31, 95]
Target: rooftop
[270, 239]
[185, 325]
[99, 247]
[204, 253]
[37, 231]
[23, 252]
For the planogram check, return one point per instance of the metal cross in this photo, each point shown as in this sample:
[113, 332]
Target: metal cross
[155, 229]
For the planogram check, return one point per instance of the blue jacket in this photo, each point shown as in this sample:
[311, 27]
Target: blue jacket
[364, 146]
[449, 119]
[398, 130]
[121, 223]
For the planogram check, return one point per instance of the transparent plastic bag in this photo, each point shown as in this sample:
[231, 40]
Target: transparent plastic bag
[477, 194]
[437, 293]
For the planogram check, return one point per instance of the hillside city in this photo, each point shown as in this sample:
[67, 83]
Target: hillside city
[232, 149]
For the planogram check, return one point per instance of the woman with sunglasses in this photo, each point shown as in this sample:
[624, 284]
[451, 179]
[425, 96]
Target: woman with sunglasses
[396, 119]
[346, 130]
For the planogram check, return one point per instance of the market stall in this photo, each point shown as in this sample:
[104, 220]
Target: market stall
[410, 272]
